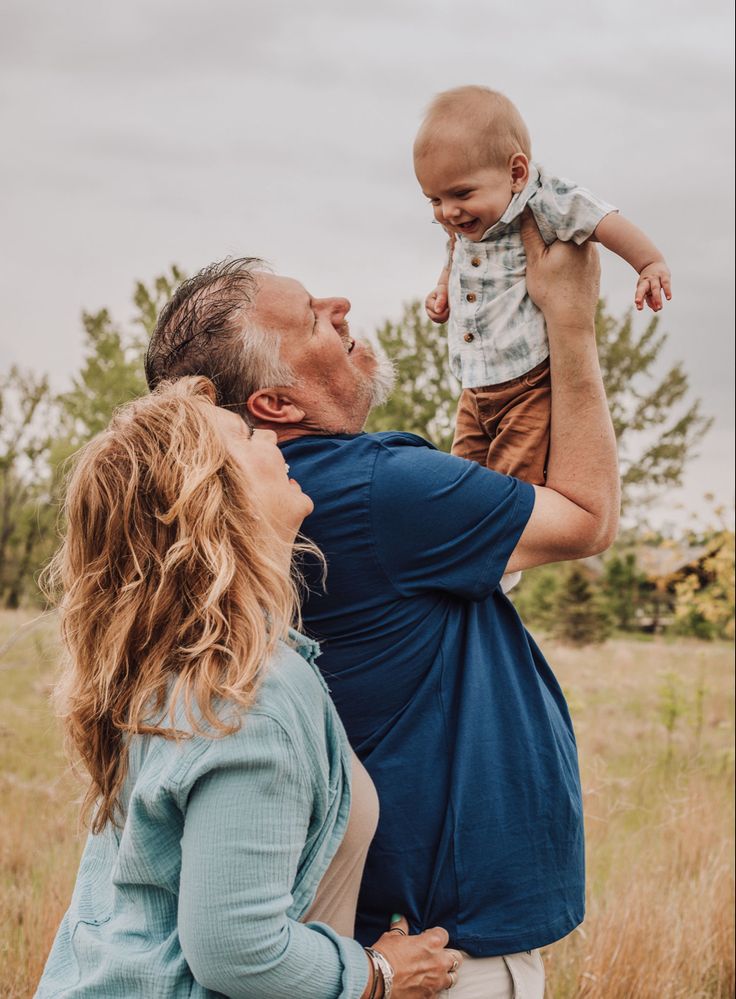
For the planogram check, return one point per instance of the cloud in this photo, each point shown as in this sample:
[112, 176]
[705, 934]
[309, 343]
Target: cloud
[141, 133]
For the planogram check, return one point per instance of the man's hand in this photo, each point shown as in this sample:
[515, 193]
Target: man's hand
[563, 279]
[653, 280]
[576, 513]
[437, 304]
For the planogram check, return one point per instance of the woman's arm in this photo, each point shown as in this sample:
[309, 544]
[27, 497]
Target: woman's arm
[245, 828]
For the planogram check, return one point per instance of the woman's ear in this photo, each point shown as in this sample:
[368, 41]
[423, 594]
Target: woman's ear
[519, 172]
[270, 406]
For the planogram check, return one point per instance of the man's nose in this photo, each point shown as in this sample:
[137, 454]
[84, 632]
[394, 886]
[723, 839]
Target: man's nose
[338, 307]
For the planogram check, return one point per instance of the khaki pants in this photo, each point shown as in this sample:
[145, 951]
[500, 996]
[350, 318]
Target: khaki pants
[506, 427]
[513, 976]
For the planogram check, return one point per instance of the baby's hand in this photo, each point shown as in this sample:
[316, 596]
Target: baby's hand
[653, 280]
[437, 304]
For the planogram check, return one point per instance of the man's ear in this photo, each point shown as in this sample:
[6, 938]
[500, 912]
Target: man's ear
[270, 406]
[519, 172]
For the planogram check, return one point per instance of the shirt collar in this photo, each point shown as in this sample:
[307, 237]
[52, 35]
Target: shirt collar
[517, 204]
[306, 647]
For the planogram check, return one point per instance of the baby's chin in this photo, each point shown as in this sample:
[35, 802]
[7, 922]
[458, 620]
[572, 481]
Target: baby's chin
[476, 231]
[476, 235]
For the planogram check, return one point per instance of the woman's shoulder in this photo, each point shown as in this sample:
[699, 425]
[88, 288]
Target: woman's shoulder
[290, 676]
[292, 714]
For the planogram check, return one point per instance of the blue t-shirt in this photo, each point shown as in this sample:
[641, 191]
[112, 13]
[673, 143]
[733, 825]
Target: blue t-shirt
[444, 695]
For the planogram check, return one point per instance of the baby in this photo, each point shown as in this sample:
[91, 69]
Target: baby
[472, 158]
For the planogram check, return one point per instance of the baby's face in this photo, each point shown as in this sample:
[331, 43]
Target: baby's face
[467, 200]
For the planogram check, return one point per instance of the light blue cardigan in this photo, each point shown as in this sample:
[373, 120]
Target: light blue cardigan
[224, 844]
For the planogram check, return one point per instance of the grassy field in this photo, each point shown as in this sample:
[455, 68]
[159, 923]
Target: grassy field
[655, 726]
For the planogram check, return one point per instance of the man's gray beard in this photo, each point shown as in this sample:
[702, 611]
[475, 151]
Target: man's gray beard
[383, 379]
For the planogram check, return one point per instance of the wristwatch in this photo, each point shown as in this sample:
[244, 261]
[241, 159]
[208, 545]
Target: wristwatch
[387, 972]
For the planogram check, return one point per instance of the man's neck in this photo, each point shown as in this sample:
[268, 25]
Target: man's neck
[292, 433]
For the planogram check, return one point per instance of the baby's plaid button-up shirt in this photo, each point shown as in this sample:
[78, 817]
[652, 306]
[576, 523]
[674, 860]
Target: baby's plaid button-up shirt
[495, 331]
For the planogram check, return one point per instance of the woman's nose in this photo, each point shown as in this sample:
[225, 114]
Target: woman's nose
[269, 435]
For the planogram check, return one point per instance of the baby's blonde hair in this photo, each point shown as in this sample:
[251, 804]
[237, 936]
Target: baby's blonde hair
[485, 124]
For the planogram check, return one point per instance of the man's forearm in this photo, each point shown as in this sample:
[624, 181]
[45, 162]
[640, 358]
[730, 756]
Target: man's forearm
[576, 513]
[582, 464]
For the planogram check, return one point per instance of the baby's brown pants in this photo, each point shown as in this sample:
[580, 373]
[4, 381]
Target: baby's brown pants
[506, 426]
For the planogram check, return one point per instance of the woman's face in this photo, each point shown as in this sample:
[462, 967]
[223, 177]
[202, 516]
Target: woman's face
[256, 454]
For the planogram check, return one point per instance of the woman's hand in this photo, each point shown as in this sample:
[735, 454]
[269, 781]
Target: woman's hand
[422, 966]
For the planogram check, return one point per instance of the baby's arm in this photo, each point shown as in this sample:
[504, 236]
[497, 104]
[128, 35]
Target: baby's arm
[437, 302]
[628, 241]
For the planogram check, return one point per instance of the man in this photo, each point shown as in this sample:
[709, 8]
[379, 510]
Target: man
[445, 697]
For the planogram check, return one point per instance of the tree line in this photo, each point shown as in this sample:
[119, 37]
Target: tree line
[657, 422]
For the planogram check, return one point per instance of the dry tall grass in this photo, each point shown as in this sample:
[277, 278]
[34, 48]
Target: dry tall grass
[655, 729]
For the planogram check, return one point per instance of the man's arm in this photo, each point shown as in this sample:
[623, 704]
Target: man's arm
[576, 513]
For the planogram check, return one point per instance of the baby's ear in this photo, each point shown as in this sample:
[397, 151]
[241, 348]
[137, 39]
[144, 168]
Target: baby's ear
[519, 172]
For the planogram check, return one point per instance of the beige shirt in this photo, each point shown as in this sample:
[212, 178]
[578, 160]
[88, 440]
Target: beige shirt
[337, 895]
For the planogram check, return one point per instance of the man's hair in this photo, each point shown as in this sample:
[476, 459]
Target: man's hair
[483, 122]
[205, 330]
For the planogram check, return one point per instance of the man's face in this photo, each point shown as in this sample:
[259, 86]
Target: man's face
[336, 376]
[466, 200]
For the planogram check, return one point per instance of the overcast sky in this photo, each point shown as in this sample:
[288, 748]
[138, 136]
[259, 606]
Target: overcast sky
[147, 132]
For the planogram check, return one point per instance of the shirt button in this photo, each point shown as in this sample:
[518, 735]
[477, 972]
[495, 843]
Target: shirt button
[470, 297]
[475, 261]
[468, 338]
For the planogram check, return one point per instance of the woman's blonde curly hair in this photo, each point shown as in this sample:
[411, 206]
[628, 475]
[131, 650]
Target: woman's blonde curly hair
[173, 589]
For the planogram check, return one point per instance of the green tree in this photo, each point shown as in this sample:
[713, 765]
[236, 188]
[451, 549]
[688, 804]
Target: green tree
[27, 416]
[581, 618]
[622, 588]
[536, 596]
[657, 428]
[112, 368]
[426, 392]
[38, 430]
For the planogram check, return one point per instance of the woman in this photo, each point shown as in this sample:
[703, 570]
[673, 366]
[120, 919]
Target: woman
[223, 840]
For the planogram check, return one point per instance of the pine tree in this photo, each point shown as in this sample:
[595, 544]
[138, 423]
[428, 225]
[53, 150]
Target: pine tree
[581, 620]
[112, 370]
[425, 397]
[657, 427]
[535, 598]
[622, 588]
[27, 416]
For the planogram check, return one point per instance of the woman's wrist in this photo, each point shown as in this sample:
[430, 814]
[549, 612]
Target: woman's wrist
[384, 970]
[371, 989]
[376, 987]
